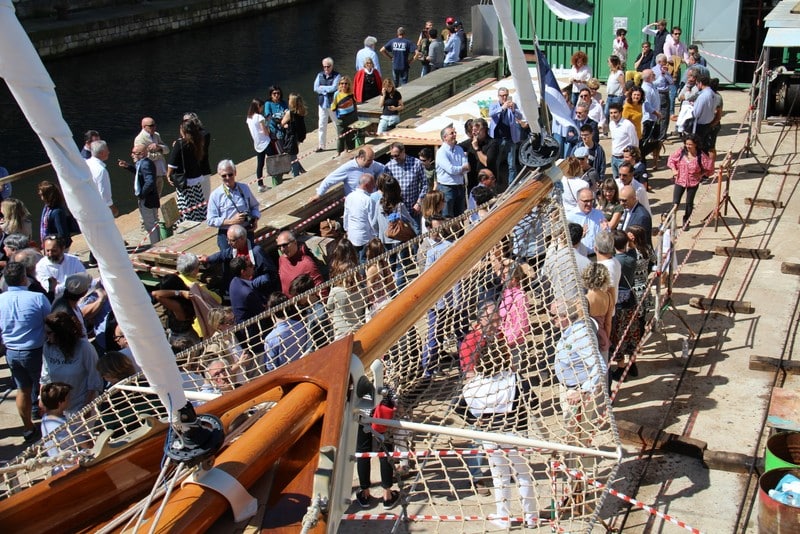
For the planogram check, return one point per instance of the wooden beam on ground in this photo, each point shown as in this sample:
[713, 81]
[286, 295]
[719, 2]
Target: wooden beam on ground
[652, 437]
[790, 268]
[721, 305]
[769, 363]
[737, 252]
[763, 203]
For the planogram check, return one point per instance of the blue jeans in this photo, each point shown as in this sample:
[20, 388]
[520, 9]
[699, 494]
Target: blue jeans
[615, 163]
[400, 77]
[455, 200]
[430, 352]
[508, 155]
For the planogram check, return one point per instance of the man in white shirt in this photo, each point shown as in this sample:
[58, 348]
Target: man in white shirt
[623, 134]
[358, 212]
[451, 166]
[100, 176]
[56, 265]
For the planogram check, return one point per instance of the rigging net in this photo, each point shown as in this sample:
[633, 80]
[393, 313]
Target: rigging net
[508, 351]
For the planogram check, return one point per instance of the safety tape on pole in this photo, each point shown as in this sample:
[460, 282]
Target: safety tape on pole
[630, 500]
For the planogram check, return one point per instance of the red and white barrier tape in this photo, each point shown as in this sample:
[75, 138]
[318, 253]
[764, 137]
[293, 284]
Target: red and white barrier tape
[707, 53]
[440, 453]
[638, 504]
[440, 518]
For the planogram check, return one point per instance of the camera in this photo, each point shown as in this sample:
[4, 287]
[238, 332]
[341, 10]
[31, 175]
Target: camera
[249, 221]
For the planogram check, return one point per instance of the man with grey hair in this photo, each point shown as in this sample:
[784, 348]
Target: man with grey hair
[368, 52]
[265, 275]
[14, 242]
[231, 203]
[99, 172]
[145, 187]
[402, 52]
[325, 84]
[350, 172]
[451, 166]
[29, 257]
[590, 219]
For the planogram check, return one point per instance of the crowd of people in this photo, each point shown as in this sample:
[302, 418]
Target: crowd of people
[61, 338]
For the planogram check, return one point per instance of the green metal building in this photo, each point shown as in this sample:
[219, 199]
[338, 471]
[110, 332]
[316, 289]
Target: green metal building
[729, 32]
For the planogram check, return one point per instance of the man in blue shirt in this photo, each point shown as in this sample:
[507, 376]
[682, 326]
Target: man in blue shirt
[231, 203]
[287, 341]
[325, 84]
[451, 165]
[704, 111]
[350, 173]
[401, 51]
[505, 126]
[22, 314]
[452, 49]
[410, 174]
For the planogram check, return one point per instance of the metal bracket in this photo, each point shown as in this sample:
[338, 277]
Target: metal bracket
[242, 503]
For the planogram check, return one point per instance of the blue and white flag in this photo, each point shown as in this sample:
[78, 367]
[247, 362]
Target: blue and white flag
[579, 11]
[553, 98]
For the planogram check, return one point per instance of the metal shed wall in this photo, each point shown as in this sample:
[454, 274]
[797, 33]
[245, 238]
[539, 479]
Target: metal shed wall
[560, 39]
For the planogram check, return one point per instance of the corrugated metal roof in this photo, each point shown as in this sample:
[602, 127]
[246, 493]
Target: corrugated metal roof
[784, 15]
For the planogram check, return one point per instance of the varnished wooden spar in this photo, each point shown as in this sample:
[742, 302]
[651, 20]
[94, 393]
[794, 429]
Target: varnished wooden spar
[316, 391]
[193, 508]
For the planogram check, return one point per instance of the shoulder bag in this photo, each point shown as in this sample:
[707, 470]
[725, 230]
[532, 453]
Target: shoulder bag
[280, 163]
[179, 178]
[399, 229]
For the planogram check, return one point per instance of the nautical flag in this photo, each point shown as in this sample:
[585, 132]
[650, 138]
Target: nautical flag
[558, 107]
[572, 10]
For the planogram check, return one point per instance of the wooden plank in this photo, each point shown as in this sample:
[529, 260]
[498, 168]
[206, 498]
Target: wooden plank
[790, 268]
[721, 305]
[737, 252]
[763, 203]
[784, 409]
[769, 363]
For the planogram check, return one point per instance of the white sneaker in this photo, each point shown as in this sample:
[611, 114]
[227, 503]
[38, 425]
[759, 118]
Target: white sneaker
[499, 521]
[262, 188]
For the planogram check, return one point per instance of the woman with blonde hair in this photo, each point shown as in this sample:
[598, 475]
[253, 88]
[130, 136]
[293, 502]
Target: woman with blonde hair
[432, 204]
[294, 125]
[571, 168]
[391, 103]
[597, 282]
[346, 110]
[16, 218]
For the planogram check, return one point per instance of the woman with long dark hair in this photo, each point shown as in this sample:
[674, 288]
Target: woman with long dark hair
[274, 109]
[632, 109]
[256, 123]
[55, 216]
[391, 207]
[69, 357]
[689, 164]
[188, 152]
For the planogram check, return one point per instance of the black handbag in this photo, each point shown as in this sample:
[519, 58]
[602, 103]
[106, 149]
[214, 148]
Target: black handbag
[179, 178]
[280, 163]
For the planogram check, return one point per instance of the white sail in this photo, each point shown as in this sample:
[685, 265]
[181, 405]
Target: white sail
[526, 95]
[34, 91]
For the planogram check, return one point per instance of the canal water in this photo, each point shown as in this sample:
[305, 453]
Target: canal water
[213, 71]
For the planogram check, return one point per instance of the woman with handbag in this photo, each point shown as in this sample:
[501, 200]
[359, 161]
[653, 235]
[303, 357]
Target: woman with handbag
[294, 125]
[274, 109]
[184, 171]
[394, 225]
[344, 105]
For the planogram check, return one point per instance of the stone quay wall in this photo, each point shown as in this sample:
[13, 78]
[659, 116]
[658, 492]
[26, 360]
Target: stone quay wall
[88, 30]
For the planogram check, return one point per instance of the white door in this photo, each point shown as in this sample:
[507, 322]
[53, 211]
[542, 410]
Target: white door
[716, 26]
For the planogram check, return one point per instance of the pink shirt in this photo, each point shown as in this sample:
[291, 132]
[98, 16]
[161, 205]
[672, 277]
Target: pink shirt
[689, 171]
[514, 315]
